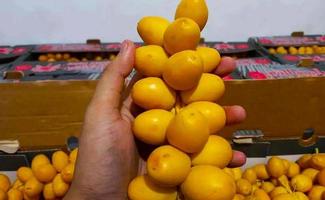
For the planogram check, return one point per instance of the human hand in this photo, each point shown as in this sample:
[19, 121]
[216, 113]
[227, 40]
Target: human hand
[107, 158]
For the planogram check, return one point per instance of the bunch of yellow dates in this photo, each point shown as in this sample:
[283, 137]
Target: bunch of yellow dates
[43, 178]
[281, 179]
[178, 93]
[303, 50]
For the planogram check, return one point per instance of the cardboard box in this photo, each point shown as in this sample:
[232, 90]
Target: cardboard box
[263, 44]
[48, 112]
[44, 114]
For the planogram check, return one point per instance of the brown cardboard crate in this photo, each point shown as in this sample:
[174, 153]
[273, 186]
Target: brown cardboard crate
[44, 114]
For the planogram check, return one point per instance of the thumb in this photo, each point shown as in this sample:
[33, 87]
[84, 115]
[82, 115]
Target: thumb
[110, 85]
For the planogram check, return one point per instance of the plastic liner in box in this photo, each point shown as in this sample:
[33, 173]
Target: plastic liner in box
[307, 40]
[4, 68]
[10, 54]
[8, 51]
[34, 71]
[232, 47]
[92, 76]
[11, 162]
[245, 62]
[235, 49]
[319, 60]
[277, 71]
[264, 148]
[292, 147]
[254, 61]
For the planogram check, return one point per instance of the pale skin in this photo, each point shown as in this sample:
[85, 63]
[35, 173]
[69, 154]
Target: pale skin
[108, 158]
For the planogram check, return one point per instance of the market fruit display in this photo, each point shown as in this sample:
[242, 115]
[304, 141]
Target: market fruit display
[260, 181]
[43, 180]
[296, 50]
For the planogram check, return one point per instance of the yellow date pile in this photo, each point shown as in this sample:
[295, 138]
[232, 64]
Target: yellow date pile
[281, 179]
[303, 50]
[54, 57]
[43, 180]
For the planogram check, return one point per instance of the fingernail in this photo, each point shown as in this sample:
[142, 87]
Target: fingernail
[239, 159]
[124, 47]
